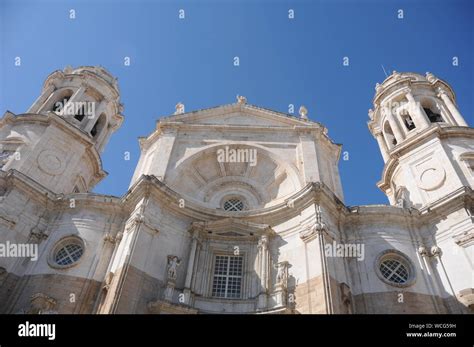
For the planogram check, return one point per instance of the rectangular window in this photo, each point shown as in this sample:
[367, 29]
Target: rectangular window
[227, 277]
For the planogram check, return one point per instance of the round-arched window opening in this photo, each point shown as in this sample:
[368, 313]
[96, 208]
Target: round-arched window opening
[234, 204]
[395, 268]
[67, 252]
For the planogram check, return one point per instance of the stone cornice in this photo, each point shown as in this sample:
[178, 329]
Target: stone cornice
[84, 74]
[236, 107]
[260, 219]
[464, 196]
[231, 229]
[184, 121]
[195, 209]
[14, 179]
[391, 85]
[42, 195]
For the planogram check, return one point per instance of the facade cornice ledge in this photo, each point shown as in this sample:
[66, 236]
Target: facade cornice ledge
[233, 224]
[43, 195]
[13, 178]
[195, 209]
[377, 210]
[460, 197]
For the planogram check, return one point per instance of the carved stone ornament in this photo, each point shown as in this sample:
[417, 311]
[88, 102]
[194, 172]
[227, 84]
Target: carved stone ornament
[42, 304]
[303, 111]
[173, 263]
[436, 251]
[282, 274]
[179, 108]
[318, 227]
[423, 251]
[430, 77]
[241, 99]
[371, 114]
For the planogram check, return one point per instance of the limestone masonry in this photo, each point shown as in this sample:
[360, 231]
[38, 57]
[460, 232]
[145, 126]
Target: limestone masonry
[234, 209]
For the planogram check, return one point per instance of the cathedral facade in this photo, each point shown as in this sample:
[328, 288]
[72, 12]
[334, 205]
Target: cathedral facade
[234, 209]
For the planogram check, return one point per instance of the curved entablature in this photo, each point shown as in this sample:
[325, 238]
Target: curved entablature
[289, 208]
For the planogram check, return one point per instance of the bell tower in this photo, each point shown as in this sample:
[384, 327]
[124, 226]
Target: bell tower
[426, 144]
[58, 141]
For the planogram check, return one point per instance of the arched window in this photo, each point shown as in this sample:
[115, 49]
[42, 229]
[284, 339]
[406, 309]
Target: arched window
[389, 137]
[61, 101]
[79, 112]
[407, 120]
[98, 126]
[432, 116]
[432, 110]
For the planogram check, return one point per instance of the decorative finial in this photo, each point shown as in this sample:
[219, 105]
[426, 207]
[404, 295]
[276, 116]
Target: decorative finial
[396, 75]
[378, 87]
[436, 251]
[179, 108]
[303, 112]
[422, 251]
[430, 77]
[371, 114]
[241, 99]
[68, 69]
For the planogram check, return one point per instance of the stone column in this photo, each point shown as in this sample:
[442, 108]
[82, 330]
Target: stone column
[397, 132]
[78, 94]
[417, 113]
[264, 261]
[189, 271]
[76, 97]
[38, 104]
[92, 119]
[383, 146]
[452, 108]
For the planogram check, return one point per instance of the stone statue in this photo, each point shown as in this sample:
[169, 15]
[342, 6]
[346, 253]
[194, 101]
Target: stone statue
[179, 108]
[282, 274]
[173, 263]
[241, 99]
[303, 112]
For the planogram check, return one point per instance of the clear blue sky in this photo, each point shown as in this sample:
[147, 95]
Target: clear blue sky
[282, 61]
